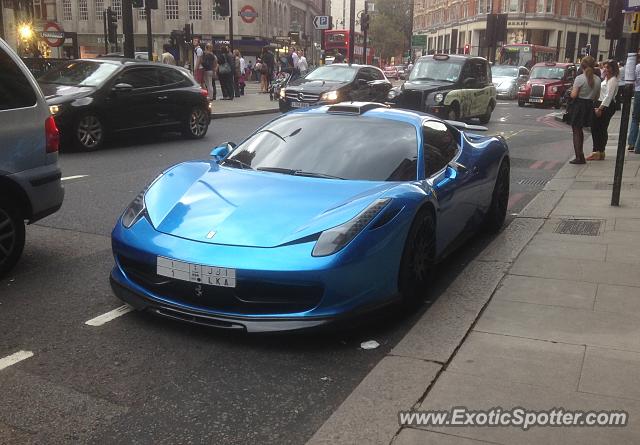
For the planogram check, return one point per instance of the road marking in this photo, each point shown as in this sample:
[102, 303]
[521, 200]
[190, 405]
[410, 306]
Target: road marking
[514, 199]
[537, 164]
[68, 178]
[14, 358]
[111, 315]
[515, 133]
[551, 164]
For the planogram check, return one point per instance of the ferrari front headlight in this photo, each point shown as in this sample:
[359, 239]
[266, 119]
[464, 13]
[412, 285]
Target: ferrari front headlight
[329, 96]
[333, 240]
[134, 211]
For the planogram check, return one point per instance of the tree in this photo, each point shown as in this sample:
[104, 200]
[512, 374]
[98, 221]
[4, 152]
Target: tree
[391, 27]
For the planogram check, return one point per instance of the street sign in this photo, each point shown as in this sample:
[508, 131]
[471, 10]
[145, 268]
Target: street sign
[635, 22]
[53, 34]
[419, 40]
[322, 21]
[248, 14]
[631, 5]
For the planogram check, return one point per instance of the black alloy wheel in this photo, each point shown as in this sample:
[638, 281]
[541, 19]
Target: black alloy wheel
[11, 237]
[494, 219]
[418, 258]
[197, 123]
[89, 132]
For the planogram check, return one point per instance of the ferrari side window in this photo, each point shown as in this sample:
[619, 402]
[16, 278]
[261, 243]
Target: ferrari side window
[440, 146]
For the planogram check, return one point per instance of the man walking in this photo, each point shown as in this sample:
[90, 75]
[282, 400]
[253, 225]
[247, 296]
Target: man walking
[303, 66]
[166, 56]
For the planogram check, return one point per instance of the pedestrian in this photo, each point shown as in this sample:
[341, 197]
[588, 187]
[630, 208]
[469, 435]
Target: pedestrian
[303, 66]
[270, 60]
[605, 108]
[198, 70]
[237, 72]
[264, 73]
[226, 66]
[210, 65]
[633, 141]
[586, 87]
[295, 62]
[339, 58]
[167, 57]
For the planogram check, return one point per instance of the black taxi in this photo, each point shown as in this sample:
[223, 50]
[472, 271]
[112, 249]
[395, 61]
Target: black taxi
[449, 86]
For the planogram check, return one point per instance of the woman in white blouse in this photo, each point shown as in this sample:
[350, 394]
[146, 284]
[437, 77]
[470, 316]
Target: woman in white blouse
[605, 109]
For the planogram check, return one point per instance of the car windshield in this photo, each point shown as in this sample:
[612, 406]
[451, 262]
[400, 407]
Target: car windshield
[547, 72]
[79, 73]
[432, 69]
[333, 73]
[365, 148]
[504, 71]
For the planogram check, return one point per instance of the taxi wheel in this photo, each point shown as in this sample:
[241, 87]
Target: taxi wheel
[454, 112]
[486, 117]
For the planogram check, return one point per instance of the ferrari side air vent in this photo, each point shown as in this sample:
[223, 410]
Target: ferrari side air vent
[355, 107]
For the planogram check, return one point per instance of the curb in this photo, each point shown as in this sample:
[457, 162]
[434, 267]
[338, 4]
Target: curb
[403, 378]
[244, 113]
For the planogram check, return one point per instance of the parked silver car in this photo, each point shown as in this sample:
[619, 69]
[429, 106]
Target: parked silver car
[508, 78]
[30, 179]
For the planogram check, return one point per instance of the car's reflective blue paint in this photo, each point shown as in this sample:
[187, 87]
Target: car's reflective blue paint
[266, 225]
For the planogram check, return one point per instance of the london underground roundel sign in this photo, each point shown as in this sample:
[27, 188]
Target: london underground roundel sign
[248, 14]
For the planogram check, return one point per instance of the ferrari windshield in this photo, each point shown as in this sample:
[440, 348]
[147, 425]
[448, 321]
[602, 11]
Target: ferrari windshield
[547, 72]
[333, 73]
[332, 146]
[80, 73]
[432, 69]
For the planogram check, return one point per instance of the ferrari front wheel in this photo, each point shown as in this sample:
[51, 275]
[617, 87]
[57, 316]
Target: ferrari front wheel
[418, 258]
[494, 219]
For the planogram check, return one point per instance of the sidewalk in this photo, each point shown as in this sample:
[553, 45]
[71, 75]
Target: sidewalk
[250, 104]
[548, 316]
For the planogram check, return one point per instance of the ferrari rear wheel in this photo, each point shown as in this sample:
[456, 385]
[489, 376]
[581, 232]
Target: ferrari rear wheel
[418, 257]
[497, 212]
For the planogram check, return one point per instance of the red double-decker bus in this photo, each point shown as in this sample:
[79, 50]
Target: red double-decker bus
[526, 54]
[337, 40]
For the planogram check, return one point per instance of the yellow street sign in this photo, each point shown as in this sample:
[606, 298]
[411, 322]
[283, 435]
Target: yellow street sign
[635, 22]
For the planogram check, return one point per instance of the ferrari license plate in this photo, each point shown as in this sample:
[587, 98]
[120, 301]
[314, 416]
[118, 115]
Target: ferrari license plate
[536, 100]
[196, 273]
[299, 105]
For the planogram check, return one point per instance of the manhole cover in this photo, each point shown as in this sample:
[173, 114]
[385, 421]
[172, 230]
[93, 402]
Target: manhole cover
[588, 227]
[532, 181]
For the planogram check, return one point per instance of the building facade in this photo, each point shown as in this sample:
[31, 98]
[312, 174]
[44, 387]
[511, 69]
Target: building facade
[256, 23]
[569, 26]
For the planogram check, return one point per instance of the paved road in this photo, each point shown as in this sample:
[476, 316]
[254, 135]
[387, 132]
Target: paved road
[138, 379]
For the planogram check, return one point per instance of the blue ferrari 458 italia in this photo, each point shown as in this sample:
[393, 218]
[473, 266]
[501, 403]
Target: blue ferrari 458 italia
[319, 215]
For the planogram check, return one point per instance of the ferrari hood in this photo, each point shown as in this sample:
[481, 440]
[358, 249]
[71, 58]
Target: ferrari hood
[203, 202]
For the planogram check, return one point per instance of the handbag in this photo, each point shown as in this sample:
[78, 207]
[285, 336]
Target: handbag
[571, 106]
[224, 68]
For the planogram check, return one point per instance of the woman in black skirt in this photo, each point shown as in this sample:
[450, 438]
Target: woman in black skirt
[585, 89]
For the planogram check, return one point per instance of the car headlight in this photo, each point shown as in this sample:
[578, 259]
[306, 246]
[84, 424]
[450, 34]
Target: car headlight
[392, 94]
[329, 96]
[523, 87]
[332, 240]
[134, 211]
[54, 109]
[282, 93]
[439, 97]
[554, 89]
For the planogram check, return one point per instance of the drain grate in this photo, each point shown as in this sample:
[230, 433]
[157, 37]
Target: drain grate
[533, 181]
[588, 227]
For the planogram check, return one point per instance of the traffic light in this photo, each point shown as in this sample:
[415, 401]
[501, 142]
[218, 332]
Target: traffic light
[364, 22]
[137, 3]
[188, 37]
[222, 8]
[615, 20]
[112, 26]
[467, 49]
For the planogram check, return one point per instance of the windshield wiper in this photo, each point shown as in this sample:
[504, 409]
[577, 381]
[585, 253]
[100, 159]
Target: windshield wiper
[294, 172]
[241, 164]
[273, 133]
